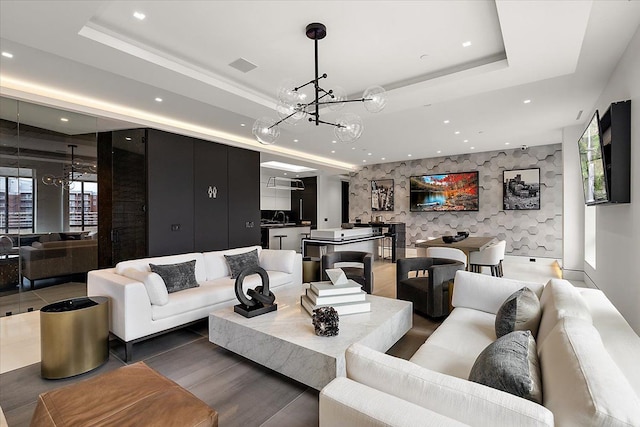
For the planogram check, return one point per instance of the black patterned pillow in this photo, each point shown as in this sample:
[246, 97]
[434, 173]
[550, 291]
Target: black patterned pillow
[239, 262]
[177, 277]
[519, 312]
[510, 364]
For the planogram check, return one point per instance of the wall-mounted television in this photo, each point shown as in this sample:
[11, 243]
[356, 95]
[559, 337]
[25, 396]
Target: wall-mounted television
[592, 164]
[444, 192]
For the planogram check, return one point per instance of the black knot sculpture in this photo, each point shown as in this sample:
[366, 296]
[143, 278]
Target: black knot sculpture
[257, 301]
[325, 321]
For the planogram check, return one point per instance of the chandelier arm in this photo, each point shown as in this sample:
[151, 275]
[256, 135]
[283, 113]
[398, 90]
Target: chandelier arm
[324, 76]
[346, 100]
[282, 120]
[327, 123]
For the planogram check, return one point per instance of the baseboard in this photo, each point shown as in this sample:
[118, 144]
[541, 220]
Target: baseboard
[512, 259]
[573, 274]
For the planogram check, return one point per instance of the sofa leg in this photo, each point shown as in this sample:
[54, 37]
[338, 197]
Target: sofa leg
[128, 351]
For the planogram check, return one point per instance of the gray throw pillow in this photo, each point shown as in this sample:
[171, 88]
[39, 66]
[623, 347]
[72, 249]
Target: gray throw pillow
[239, 262]
[519, 312]
[510, 364]
[177, 277]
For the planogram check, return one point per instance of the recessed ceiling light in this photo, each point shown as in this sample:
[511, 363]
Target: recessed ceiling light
[64, 119]
[446, 122]
[285, 174]
[383, 158]
[334, 141]
[368, 154]
[353, 148]
[364, 161]
[466, 44]
[457, 132]
[466, 140]
[7, 54]
[439, 151]
[139, 15]
[409, 155]
[158, 99]
[527, 101]
[295, 140]
[128, 138]
[333, 151]
[507, 143]
[297, 176]
[242, 124]
[473, 148]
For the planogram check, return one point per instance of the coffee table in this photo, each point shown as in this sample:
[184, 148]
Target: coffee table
[285, 341]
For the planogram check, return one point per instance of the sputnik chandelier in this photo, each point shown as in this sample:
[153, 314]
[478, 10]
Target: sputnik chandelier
[70, 173]
[292, 106]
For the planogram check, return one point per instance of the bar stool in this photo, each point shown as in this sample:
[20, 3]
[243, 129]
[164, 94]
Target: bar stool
[280, 236]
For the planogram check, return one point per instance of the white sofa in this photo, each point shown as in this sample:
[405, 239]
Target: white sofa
[589, 358]
[134, 318]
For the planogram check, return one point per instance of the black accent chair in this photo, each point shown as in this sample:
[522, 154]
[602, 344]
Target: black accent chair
[429, 293]
[362, 275]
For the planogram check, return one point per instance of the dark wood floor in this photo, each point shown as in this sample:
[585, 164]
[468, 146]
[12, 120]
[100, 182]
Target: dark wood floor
[243, 392]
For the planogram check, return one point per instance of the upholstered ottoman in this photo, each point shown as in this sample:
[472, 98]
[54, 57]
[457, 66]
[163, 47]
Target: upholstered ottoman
[133, 395]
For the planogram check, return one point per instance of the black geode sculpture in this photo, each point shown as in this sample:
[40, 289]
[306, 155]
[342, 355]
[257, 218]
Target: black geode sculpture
[325, 321]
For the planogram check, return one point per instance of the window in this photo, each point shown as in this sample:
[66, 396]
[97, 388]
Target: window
[16, 204]
[83, 205]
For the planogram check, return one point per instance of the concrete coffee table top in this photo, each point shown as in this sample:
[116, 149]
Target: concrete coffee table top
[285, 341]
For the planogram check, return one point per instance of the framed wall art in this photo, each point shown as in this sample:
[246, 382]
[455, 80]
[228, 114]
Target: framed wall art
[521, 189]
[382, 195]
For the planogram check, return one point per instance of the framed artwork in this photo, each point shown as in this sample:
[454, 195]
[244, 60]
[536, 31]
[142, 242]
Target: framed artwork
[521, 189]
[382, 195]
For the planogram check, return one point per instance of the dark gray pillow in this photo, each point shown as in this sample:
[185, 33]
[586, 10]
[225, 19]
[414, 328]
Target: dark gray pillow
[510, 364]
[519, 312]
[177, 277]
[239, 262]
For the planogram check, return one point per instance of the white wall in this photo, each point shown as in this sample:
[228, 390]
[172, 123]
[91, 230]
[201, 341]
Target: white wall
[617, 270]
[270, 198]
[329, 201]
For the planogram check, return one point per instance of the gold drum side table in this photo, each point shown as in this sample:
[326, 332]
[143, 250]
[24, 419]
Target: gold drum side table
[74, 336]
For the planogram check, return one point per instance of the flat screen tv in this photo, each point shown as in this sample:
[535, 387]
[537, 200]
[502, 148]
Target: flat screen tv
[444, 192]
[594, 178]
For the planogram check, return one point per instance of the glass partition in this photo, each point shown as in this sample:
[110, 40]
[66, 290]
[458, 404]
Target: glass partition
[48, 204]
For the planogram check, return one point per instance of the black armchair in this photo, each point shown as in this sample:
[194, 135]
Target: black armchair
[430, 293]
[362, 275]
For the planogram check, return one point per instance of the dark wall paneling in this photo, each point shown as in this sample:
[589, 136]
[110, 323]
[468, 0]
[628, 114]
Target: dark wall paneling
[244, 197]
[211, 197]
[105, 178]
[170, 193]
[129, 195]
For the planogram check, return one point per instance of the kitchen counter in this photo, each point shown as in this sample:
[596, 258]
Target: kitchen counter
[292, 233]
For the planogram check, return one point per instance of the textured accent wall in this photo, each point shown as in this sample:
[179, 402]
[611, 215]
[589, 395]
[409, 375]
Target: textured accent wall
[535, 233]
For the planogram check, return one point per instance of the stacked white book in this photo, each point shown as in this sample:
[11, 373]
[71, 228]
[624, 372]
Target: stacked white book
[347, 298]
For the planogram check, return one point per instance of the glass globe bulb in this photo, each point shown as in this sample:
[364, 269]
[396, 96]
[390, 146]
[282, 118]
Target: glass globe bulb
[349, 127]
[265, 131]
[48, 179]
[293, 112]
[376, 98]
[339, 94]
[287, 94]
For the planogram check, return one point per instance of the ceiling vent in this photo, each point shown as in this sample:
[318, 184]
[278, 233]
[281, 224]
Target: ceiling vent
[243, 65]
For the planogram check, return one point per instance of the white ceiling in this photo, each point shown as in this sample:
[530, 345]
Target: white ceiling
[95, 57]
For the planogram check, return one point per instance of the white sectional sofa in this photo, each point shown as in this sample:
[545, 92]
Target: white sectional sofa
[588, 354]
[133, 316]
